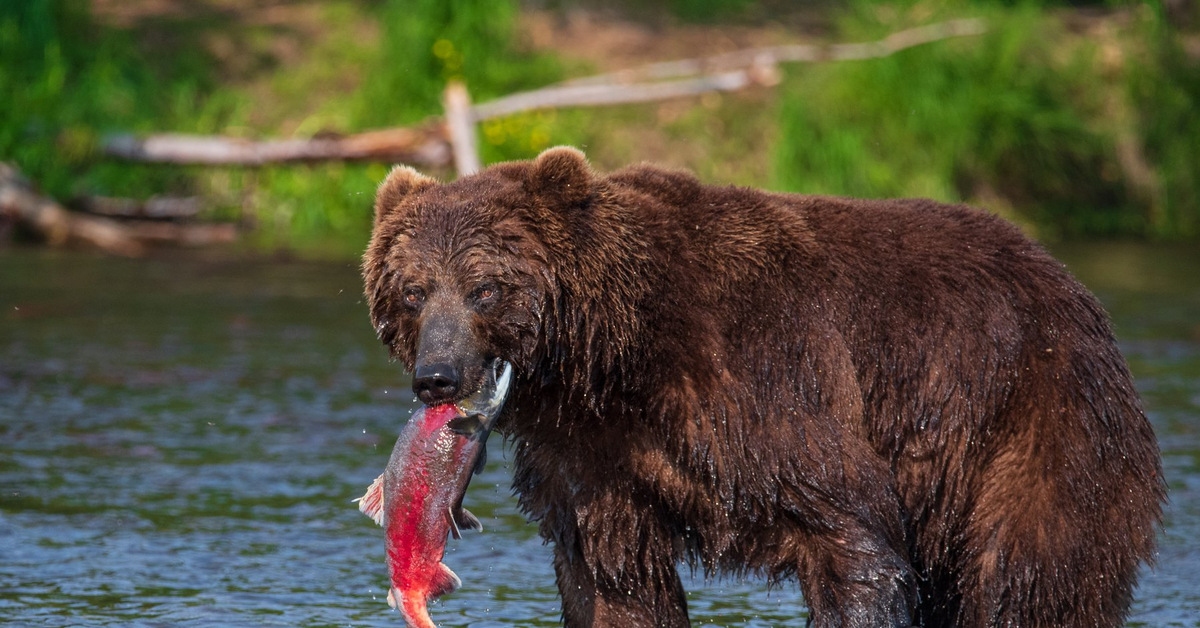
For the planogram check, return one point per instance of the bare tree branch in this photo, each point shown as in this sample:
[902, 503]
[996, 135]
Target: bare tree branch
[592, 94]
[796, 53]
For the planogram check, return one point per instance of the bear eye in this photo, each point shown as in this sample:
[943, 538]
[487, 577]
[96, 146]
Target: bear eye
[413, 296]
[487, 293]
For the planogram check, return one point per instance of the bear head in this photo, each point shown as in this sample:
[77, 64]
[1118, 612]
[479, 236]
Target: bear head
[462, 274]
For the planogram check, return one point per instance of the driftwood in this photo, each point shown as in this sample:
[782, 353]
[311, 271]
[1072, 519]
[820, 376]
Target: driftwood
[719, 73]
[423, 146]
[154, 208]
[435, 144]
[19, 203]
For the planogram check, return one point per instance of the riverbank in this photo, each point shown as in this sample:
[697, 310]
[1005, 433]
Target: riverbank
[1074, 122]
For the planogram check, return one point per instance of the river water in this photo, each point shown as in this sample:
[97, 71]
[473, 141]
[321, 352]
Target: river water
[181, 438]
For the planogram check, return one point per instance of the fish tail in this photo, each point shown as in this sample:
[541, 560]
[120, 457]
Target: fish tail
[413, 604]
[412, 607]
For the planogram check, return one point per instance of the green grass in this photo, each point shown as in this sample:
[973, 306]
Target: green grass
[1029, 120]
[326, 209]
[1020, 119]
[72, 82]
[65, 84]
[1165, 93]
[425, 43]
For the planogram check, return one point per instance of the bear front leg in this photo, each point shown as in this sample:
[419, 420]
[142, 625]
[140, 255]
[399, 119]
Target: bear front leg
[852, 578]
[597, 601]
[616, 567]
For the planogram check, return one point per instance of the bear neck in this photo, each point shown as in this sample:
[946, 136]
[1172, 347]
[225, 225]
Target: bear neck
[595, 328]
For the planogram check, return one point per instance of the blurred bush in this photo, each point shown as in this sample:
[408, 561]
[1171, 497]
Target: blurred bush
[1027, 119]
[1073, 123]
[1164, 89]
[65, 82]
[428, 42]
[422, 44]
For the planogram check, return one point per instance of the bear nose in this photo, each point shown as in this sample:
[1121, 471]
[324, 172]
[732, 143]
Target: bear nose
[436, 383]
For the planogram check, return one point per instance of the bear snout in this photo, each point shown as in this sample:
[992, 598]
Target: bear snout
[450, 361]
[436, 383]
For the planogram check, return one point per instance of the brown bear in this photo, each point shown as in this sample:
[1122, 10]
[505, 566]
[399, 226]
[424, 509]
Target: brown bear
[909, 407]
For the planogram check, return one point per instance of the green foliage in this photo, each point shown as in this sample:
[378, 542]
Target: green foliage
[71, 81]
[1029, 119]
[983, 118]
[1165, 90]
[1020, 119]
[429, 42]
[423, 44]
[67, 82]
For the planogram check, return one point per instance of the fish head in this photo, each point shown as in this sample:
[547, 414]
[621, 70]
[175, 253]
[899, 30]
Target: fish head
[479, 411]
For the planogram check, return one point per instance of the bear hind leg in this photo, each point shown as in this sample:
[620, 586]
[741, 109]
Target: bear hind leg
[1044, 551]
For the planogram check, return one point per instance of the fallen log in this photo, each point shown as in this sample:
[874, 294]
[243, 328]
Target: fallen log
[59, 227]
[153, 208]
[438, 144]
[20, 204]
[425, 145]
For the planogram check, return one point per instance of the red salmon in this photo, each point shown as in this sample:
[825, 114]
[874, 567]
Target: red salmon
[418, 499]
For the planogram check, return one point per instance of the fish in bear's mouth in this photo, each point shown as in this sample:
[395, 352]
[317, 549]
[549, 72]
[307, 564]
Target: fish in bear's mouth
[418, 498]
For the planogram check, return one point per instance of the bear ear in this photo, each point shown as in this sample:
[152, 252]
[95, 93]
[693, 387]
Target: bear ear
[399, 184]
[560, 175]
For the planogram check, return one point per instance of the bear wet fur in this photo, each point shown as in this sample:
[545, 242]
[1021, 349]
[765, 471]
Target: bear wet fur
[908, 407]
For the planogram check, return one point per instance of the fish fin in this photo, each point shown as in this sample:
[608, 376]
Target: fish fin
[454, 531]
[392, 597]
[444, 581]
[468, 520]
[482, 461]
[466, 425]
[371, 503]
